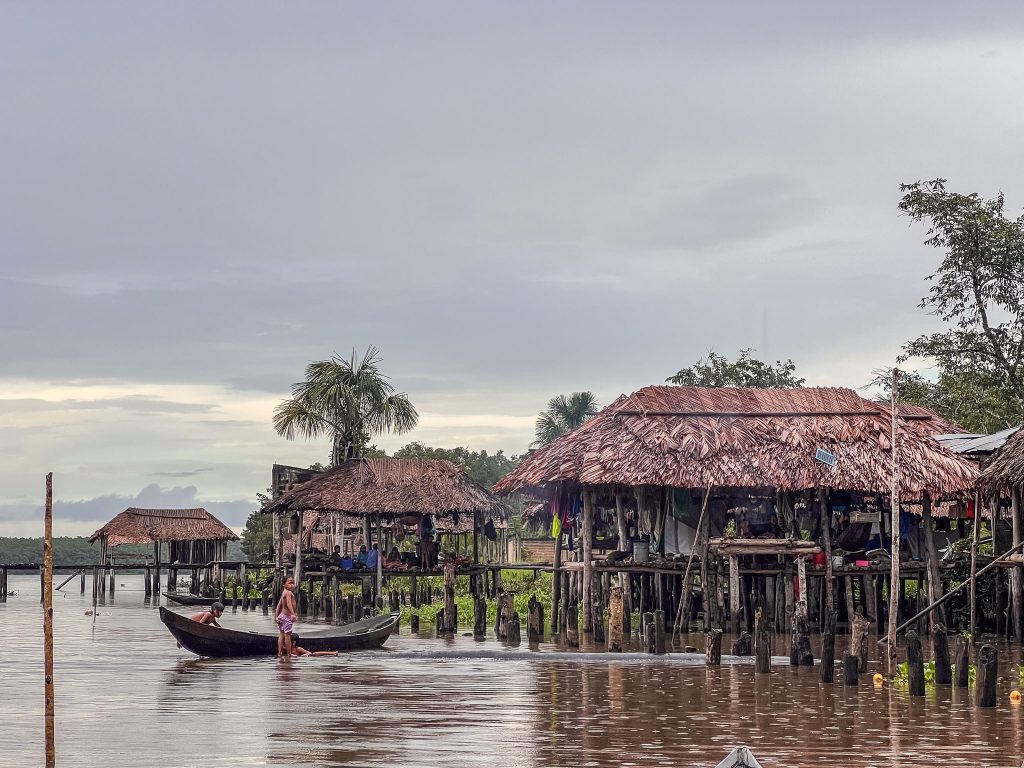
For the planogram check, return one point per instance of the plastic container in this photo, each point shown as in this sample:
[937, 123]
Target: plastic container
[641, 551]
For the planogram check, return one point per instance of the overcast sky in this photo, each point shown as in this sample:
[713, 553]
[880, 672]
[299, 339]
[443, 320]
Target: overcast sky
[511, 201]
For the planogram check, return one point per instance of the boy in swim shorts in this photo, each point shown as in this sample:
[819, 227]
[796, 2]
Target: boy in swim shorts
[284, 614]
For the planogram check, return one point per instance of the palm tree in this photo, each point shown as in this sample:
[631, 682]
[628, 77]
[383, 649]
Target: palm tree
[350, 400]
[563, 415]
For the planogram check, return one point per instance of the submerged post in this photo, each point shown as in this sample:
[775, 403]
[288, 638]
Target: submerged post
[828, 648]
[915, 664]
[762, 643]
[988, 672]
[51, 754]
[615, 616]
[940, 648]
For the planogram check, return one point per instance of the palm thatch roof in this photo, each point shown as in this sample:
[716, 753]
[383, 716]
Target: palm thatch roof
[145, 526]
[1006, 469]
[389, 487]
[698, 437]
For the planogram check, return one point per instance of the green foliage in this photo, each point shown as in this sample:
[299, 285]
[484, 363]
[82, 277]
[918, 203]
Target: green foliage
[730, 529]
[973, 400]
[67, 550]
[349, 400]
[978, 291]
[717, 371]
[259, 532]
[521, 583]
[901, 678]
[484, 468]
[563, 415]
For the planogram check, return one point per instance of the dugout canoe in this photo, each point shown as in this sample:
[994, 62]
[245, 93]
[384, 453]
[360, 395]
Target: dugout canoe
[220, 642]
[183, 599]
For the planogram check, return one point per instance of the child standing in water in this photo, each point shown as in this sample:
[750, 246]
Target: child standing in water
[285, 614]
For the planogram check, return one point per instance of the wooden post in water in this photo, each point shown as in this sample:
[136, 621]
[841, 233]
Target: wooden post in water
[450, 622]
[932, 556]
[962, 668]
[514, 629]
[659, 632]
[479, 616]
[713, 646]
[51, 750]
[535, 620]
[616, 611]
[859, 639]
[988, 672]
[828, 648]
[915, 664]
[572, 625]
[940, 650]
[894, 502]
[851, 665]
[762, 643]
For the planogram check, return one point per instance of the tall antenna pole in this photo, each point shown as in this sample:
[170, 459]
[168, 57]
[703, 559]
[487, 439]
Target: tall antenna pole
[51, 754]
[894, 578]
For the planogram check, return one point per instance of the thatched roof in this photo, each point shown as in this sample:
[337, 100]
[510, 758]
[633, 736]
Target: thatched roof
[1006, 469]
[144, 526]
[696, 437]
[390, 487]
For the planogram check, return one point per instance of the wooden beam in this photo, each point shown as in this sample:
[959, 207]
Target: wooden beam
[587, 534]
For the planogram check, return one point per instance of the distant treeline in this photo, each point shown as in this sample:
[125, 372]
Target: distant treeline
[76, 550]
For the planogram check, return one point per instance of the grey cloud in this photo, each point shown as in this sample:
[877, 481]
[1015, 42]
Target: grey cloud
[133, 403]
[153, 496]
[184, 472]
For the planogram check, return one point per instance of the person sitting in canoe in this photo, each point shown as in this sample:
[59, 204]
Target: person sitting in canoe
[298, 650]
[284, 615]
[209, 617]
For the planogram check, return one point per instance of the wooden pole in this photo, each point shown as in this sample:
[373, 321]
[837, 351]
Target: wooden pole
[587, 534]
[988, 673]
[51, 752]
[915, 664]
[734, 594]
[975, 536]
[828, 648]
[556, 585]
[686, 596]
[931, 554]
[894, 593]
[615, 617]
[1017, 573]
[826, 541]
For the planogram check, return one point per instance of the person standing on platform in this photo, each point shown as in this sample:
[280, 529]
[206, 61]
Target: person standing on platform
[285, 614]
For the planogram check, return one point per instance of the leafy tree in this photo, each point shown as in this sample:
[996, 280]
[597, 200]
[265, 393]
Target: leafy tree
[974, 402]
[259, 531]
[485, 468]
[563, 415]
[349, 400]
[747, 371]
[978, 291]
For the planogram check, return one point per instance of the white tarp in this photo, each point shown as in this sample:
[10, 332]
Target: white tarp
[739, 758]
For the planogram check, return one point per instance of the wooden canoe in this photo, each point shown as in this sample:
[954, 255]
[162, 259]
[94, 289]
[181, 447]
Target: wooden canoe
[220, 642]
[183, 599]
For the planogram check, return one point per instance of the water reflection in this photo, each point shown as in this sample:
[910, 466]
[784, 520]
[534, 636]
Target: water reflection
[127, 696]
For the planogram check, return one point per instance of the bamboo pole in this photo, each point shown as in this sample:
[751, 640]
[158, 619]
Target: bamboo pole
[894, 592]
[931, 554]
[51, 753]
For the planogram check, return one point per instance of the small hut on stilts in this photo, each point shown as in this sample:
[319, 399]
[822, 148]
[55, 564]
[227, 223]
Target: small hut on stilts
[389, 499]
[190, 539]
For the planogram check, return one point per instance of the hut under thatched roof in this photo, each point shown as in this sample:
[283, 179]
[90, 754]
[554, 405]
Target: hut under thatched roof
[387, 487]
[148, 526]
[699, 437]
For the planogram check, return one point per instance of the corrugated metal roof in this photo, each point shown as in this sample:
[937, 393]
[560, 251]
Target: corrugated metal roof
[984, 443]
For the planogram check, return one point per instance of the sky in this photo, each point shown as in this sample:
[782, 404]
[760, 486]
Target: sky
[510, 200]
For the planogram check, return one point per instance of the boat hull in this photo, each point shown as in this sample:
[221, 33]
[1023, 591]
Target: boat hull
[220, 642]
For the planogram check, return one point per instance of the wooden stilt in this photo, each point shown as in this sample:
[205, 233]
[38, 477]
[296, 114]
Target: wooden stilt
[762, 643]
[615, 620]
[587, 535]
[828, 649]
[940, 651]
[1017, 573]
[734, 594]
[915, 664]
[713, 647]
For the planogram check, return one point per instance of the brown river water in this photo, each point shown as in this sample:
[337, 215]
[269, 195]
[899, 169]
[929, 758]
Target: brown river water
[126, 696]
